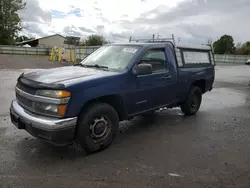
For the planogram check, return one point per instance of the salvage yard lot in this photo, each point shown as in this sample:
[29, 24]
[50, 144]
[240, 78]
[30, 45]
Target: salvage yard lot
[210, 149]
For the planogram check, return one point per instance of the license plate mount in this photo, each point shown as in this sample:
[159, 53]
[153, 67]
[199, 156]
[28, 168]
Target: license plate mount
[17, 121]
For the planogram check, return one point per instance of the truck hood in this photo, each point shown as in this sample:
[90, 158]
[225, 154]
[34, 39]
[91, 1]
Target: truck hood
[57, 75]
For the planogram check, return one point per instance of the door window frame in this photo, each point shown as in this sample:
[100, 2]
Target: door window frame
[165, 70]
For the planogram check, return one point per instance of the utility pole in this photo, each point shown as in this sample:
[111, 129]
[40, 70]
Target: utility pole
[130, 38]
[158, 35]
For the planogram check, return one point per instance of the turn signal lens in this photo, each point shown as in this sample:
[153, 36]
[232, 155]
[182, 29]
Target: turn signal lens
[63, 94]
[62, 109]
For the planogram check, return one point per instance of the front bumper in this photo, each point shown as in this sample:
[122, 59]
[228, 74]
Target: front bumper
[56, 131]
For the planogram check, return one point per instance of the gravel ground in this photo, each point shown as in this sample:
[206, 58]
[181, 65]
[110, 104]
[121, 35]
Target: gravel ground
[210, 149]
[27, 62]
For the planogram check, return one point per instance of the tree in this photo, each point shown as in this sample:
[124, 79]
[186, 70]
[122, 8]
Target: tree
[243, 49]
[238, 50]
[10, 22]
[225, 45]
[246, 48]
[71, 40]
[94, 40]
[23, 38]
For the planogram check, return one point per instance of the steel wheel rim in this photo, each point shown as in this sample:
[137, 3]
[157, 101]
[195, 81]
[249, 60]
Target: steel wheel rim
[194, 102]
[99, 128]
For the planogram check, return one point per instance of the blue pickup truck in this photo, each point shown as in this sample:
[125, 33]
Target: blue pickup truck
[85, 102]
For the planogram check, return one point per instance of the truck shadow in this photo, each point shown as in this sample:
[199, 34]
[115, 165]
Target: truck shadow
[36, 152]
[163, 120]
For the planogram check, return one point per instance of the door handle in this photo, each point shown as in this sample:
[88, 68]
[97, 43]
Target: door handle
[166, 77]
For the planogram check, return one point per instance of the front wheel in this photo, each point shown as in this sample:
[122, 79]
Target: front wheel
[97, 127]
[193, 101]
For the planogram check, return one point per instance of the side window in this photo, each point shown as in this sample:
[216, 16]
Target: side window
[179, 58]
[193, 57]
[155, 57]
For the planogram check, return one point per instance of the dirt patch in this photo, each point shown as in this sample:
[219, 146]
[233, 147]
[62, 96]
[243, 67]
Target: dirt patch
[28, 62]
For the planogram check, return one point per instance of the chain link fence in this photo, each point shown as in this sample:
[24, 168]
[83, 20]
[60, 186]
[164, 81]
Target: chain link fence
[234, 59]
[83, 51]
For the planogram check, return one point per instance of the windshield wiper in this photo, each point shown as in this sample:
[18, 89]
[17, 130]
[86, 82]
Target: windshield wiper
[95, 66]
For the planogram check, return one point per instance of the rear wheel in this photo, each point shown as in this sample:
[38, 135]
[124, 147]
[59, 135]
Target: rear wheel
[97, 127]
[193, 101]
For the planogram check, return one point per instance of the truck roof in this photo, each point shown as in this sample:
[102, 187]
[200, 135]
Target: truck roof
[194, 46]
[187, 46]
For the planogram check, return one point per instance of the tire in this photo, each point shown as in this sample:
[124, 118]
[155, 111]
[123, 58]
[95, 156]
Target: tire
[193, 101]
[91, 134]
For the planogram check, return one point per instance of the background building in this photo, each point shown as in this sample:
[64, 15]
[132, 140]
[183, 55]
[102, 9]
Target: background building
[48, 41]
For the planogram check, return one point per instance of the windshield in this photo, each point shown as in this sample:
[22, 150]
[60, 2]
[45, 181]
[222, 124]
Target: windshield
[114, 57]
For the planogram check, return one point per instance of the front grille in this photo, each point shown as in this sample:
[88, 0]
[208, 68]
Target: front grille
[23, 101]
[26, 89]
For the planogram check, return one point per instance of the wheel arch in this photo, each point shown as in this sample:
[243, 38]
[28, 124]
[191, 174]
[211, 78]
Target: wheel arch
[114, 100]
[201, 84]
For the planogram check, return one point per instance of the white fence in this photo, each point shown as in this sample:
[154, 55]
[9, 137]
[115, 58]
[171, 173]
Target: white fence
[238, 59]
[83, 51]
[23, 51]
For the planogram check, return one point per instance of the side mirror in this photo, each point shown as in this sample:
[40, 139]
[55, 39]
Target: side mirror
[143, 69]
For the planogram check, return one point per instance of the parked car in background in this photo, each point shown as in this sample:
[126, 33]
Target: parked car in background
[84, 103]
[248, 62]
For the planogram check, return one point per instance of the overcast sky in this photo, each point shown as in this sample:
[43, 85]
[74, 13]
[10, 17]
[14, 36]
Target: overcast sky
[190, 20]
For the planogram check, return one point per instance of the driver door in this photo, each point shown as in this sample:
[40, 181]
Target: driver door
[149, 91]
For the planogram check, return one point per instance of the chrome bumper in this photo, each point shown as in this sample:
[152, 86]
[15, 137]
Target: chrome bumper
[41, 122]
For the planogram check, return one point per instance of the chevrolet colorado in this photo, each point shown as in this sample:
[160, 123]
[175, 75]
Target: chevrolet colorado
[85, 102]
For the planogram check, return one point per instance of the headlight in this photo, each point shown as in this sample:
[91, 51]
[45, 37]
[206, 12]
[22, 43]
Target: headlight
[51, 109]
[49, 106]
[53, 93]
